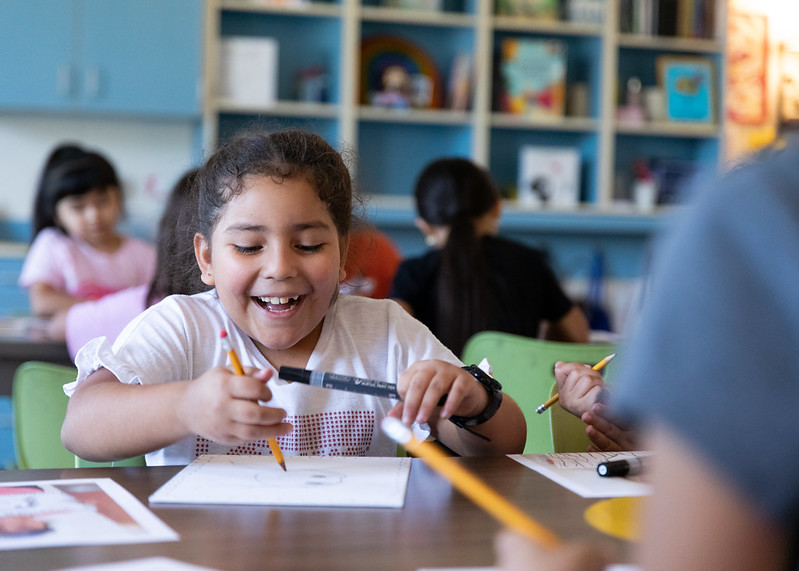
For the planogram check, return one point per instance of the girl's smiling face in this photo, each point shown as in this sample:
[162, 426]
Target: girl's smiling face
[276, 259]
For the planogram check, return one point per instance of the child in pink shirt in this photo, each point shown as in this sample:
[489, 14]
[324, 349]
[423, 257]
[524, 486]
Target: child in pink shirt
[77, 252]
[176, 272]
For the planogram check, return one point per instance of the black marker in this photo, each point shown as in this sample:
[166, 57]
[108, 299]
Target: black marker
[339, 382]
[620, 468]
[343, 383]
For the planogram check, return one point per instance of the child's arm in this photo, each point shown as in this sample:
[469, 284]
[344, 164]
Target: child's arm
[423, 384]
[46, 300]
[109, 420]
[571, 328]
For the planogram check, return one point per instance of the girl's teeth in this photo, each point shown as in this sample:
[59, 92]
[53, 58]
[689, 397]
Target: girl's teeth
[276, 300]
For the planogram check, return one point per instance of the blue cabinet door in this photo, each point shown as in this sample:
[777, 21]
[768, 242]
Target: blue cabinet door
[37, 67]
[143, 56]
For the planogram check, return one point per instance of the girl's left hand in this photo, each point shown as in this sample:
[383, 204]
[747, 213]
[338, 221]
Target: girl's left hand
[423, 384]
[606, 433]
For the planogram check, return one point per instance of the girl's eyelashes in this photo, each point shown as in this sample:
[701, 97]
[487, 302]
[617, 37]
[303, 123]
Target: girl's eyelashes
[253, 249]
[246, 249]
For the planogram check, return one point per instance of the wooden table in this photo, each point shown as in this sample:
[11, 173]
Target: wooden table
[22, 339]
[438, 527]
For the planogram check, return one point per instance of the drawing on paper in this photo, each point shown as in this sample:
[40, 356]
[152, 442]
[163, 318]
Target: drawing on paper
[299, 478]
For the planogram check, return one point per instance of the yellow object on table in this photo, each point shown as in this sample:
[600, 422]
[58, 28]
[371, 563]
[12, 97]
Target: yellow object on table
[619, 517]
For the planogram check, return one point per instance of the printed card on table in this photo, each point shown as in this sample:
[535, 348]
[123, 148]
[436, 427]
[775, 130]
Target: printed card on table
[87, 511]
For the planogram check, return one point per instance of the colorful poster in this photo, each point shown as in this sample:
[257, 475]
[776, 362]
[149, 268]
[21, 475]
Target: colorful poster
[747, 50]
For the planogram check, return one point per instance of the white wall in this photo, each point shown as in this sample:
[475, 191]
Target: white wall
[149, 157]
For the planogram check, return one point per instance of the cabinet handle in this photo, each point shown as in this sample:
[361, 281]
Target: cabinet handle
[91, 82]
[64, 81]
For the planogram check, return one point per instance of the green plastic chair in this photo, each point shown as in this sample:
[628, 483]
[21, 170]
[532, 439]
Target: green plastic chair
[39, 406]
[524, 367]
[568, 431]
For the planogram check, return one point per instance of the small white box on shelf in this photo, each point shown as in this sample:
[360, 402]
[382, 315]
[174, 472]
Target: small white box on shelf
[549, 176]
[248, 70]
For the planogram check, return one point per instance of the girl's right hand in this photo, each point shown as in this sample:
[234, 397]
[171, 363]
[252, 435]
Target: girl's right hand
[223, 407]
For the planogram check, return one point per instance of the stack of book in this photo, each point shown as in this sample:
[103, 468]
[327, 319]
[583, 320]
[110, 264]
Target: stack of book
[539, 9]
[682, 18]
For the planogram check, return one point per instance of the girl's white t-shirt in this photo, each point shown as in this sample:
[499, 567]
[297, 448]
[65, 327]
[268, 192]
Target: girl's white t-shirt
[75, 267]
[179, 339]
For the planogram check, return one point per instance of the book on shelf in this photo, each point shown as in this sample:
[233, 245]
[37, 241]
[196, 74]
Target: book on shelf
[588, 11]
[278, 3]
[459, 88]
[538, 9]
[424, 5]
[688, 86]
[672, 178]
[682, 18]
[532, 77]
[548, 176]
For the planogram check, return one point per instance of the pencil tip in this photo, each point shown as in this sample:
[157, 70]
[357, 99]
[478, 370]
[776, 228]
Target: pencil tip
[283, 465]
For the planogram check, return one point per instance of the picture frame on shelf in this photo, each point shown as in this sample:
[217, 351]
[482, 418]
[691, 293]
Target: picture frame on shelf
[688, 88]
[398, 74]
[548, 176]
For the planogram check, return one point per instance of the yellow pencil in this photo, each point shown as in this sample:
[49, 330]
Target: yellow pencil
[598, 367]
[470, 485]
[239, 370]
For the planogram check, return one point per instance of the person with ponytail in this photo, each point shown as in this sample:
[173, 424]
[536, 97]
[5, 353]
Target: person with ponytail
[472, 279]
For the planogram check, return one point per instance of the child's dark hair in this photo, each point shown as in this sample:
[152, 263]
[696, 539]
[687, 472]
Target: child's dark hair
[454, 192]
[69, 171]
[279, 155]
[176, 268]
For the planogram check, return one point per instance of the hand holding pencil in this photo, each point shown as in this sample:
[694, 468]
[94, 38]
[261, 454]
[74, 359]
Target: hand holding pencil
[598, 367]
[239, 370]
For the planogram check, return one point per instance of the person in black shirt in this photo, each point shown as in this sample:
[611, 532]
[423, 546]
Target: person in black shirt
[473, 280]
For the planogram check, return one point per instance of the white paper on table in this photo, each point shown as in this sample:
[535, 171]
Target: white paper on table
[326, 481]
[576, 471]
[83, 511]
[145, 564]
